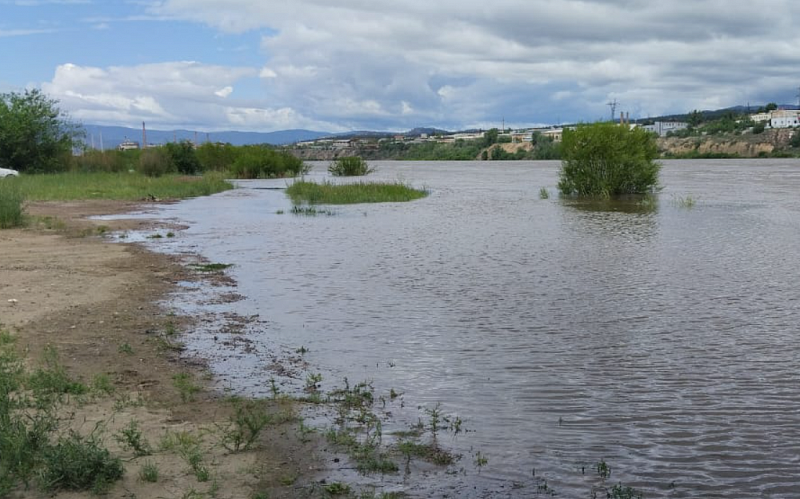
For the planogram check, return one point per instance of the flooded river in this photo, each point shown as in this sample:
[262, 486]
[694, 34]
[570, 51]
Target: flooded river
[661, 340]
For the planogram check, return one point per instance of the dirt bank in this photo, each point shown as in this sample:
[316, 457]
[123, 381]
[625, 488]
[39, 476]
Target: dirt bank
[63, 284]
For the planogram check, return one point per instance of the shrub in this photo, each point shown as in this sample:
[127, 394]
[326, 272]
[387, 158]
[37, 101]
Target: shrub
[605, 160]
[11, 204]
[155, 162]
[265, 162]
[104, 161]
[184, 157]
[78, 463]
[216, 157]
[351, 166]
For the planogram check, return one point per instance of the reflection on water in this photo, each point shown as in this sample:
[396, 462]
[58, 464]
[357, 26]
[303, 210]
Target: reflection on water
[657, 337]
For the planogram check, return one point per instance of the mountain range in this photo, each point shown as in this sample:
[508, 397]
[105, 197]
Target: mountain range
[109, 137]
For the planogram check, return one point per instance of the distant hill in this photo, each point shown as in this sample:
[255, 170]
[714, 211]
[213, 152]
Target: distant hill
[112, 136]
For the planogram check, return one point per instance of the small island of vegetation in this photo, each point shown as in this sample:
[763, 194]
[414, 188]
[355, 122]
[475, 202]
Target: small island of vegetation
[361, 192]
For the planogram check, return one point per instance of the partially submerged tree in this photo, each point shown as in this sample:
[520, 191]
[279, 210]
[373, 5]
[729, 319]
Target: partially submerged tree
[606, 160]
[35, 135]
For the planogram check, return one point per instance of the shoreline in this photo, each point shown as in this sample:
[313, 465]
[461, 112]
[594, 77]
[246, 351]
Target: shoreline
[100, 306]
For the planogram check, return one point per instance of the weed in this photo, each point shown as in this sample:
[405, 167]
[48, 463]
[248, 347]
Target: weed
[101, 383]
[287, 480]
[603, 470]
[687, 202]
[245, 425]
[302, 350]
[149, 472]
[170, 234]
[180, 442]
[480, 460]
[544, 193]
[351, 166]
[310, 211]
[279, 212]
[11, 204]
[431, 453]
[131, 438]
[185, 385]
[304, 432]
[619, 491]
[273, 387]
[169, 328]
[125, 348]
[313, 381]
[79, 463]
[337, 489]
[155, 236]
[211, 267]
[52, 378]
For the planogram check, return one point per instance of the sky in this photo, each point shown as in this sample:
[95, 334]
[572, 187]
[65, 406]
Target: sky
[348, 65]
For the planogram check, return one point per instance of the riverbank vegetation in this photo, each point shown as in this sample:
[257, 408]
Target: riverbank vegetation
[607, 160]
[121, 186]
[11, 199]
[329, 193]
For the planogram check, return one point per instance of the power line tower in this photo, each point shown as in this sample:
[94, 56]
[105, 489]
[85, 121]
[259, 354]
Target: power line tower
[613, 106]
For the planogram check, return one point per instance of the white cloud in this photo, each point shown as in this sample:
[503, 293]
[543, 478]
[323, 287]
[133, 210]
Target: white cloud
[170, 94]
[381, 62]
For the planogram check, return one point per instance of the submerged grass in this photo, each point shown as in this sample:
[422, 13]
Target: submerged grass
[360, 192]
[118, 186]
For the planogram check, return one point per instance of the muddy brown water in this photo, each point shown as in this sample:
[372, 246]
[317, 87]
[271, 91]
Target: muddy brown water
[662, 340]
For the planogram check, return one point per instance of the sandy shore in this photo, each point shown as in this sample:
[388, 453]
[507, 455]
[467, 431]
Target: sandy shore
[97, 304]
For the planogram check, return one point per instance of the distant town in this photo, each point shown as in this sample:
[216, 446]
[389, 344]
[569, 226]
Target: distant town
[778, 118]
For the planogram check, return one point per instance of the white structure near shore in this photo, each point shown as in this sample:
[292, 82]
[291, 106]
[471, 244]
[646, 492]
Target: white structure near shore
[662, 128]
[779, 118]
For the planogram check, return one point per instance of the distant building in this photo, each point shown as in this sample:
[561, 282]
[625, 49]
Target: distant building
[760, 117]
[553, 133]
[128, 145]
[662, 128]
[784, 119]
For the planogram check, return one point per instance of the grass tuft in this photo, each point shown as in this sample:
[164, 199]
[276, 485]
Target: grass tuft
[11, 204]
[355, 193]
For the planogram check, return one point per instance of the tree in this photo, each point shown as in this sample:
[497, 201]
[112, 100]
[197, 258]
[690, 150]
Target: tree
[606, 160]
[771, 107]
[490, 137]
[184, 157]
[695, 118]
[35, 135]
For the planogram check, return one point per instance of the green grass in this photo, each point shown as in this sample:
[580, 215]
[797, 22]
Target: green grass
[186, 386]
[11, 200]
[118, 186]
[149, 472]
[360, 192]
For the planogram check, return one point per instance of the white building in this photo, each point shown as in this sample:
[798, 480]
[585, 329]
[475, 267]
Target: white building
[128, 145]
[662, 128]
[784, 118]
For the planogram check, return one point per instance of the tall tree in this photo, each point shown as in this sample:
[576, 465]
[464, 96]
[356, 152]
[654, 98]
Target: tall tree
[35, 135]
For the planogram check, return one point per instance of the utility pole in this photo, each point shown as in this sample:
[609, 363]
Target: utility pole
[613, 106]
[144, 136]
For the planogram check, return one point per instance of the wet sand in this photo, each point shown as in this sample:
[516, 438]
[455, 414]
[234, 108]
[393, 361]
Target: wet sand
[98, 304]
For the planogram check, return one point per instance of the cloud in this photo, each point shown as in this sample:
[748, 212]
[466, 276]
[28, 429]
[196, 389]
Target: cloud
[451, 62]
[23, 32]
[170, 94]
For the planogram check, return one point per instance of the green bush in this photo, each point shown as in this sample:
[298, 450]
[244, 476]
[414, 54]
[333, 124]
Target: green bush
[351, 166]
[265, 162]
[79, 463]
[11, 204]
[156, 162]
[105, 161]
[184, 157]
[216, 157]
[606, 159]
